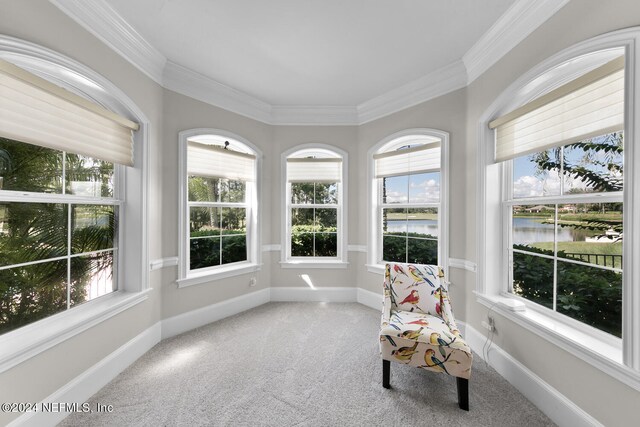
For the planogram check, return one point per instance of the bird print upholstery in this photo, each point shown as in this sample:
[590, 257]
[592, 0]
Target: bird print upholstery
[418, 327]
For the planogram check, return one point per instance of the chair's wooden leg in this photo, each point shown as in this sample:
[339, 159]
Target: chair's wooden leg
[463, 393]
[386, 373]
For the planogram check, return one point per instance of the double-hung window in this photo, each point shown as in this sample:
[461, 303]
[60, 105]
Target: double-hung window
[314, 206]
[62, 162]
[409, 192]
[558, 197]
[563, 197]
[219, 206]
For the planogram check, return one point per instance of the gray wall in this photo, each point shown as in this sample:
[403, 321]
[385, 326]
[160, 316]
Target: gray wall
[457, 113]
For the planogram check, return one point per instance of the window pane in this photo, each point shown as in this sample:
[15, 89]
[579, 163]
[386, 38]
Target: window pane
[203, 189]
[533, 277]
[533, 227]
[422, 251]
[326, 193]
[537, 174]
[591, 233]
[301, 243]
[204, 252]
[395, 189]
[424, 188]
[326, 244]
[88, 177]
[234, 249]
[591, 295]
[422, 222]
[204, 221]
[394, 221]
[31, 293]
[27, 167]
[394, 248]
[32, 232]
[326, 220]
[594, 165]
[234, 220]
[302, 217]
[302, 192]
[93, 228]
[232, 191]
[91, 277]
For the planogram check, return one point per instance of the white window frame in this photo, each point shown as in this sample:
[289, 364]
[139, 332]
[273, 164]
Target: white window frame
[375, 263]
[132, 262]
[340, 260]
[618, 358]
[187, 277]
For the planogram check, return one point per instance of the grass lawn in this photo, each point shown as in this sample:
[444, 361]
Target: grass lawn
[586, 248]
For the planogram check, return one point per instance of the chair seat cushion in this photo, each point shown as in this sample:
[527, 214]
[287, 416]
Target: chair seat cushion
[425, 341]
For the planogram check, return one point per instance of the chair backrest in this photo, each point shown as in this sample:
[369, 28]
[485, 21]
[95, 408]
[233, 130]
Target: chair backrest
[416, 287]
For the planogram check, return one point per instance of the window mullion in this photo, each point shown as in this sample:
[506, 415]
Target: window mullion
[68, 256]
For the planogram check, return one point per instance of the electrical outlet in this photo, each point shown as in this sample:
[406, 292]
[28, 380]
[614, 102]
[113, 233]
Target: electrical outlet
[252, 281]
[488, 325]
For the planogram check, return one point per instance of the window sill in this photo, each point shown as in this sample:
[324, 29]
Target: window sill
[313, 264]
[606, 355]
[30, 340]
[217, 274]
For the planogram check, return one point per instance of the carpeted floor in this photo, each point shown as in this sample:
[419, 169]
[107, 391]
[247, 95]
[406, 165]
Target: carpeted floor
[296, 364]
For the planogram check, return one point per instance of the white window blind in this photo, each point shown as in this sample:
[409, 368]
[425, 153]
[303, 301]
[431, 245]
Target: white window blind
[214, 161]
[36, 111]
[408, 161]
[589, 106]
[326, 170]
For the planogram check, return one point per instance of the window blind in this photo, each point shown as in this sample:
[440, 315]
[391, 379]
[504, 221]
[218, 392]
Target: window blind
[408, 161]
[35, 111]
[589, 106]
[326, 170]
[213, 161]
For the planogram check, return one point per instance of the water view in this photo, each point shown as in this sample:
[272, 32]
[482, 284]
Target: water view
[421, 226]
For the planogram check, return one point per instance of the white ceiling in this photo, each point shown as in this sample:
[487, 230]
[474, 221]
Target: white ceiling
[312, 52]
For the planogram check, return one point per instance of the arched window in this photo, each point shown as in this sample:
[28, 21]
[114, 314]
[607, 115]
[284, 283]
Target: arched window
[314, 204]
[409, 195]
[554, 241]
[73, 179]
[219, 174]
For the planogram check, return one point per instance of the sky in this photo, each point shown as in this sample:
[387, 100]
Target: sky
[420, 188]
[526, 183]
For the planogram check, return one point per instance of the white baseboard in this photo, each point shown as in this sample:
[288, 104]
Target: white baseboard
[328, 294]
[554, 404]
[202, 316]
[85, 385]
[370, 299]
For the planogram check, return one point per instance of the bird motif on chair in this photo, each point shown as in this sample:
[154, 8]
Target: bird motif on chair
[405, 353]
[412, 298]
[412, 335]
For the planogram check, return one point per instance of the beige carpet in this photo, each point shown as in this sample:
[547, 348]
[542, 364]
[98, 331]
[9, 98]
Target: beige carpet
[296, 364]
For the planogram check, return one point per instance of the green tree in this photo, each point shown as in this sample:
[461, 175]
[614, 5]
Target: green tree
[38, 232]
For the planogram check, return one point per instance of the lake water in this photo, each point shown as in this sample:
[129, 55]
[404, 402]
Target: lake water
[526, 230]
[422, 226]
[531, 230]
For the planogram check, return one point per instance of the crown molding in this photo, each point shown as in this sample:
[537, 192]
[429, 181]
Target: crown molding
[195, 85]
[520, 20]
[314, 115]
[437, 83]
[101, 20]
